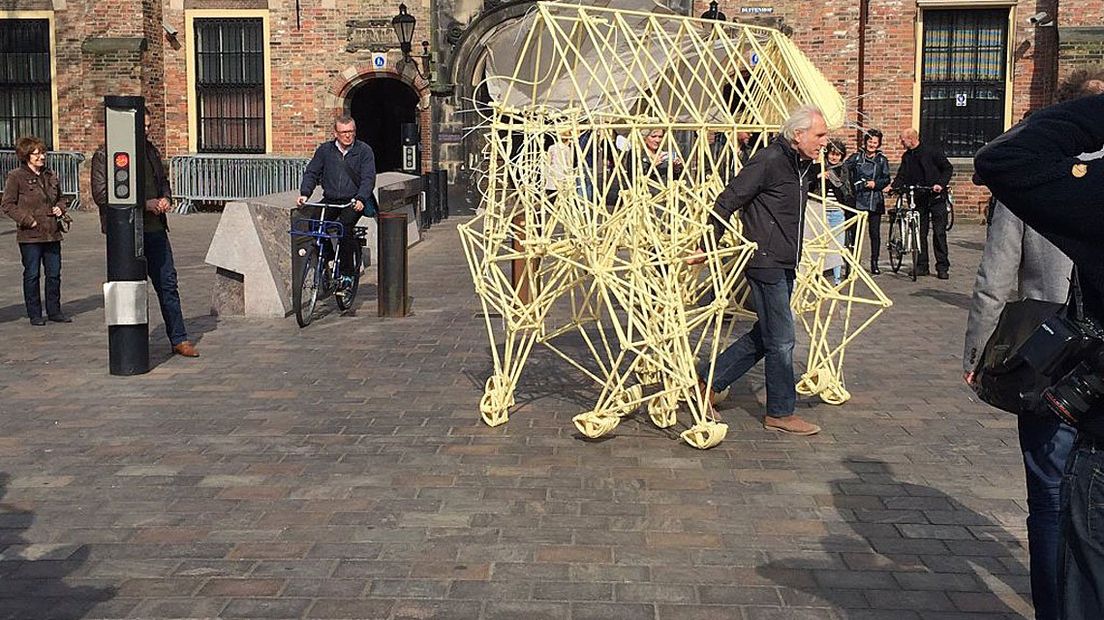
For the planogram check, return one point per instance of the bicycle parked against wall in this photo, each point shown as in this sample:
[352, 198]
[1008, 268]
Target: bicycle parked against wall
[316, 262]
[904, 229]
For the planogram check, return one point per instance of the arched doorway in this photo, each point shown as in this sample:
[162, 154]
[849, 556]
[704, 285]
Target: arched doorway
[380, 106]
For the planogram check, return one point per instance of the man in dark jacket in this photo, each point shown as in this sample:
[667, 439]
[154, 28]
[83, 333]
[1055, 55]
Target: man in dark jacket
[925, 165]
[346, 169]
[770, 193]
[1039, 170]
[155, 238]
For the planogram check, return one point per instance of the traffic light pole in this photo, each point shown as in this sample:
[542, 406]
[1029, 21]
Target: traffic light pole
[126, 298]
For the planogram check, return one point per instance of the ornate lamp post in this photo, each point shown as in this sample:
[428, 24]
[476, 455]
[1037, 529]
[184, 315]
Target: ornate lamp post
[713, 12]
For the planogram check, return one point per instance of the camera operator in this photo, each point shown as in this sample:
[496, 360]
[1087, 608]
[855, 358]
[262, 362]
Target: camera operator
[1040, 172]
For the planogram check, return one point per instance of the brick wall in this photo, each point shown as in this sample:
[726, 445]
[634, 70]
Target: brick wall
[312, 66]
[828, 31]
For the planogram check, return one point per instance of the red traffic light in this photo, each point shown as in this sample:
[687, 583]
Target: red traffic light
[122, 160]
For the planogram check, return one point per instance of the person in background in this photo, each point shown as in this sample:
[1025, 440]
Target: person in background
[925, 165]
[32, 197]
[1044, 168]
[346, 169]
[559, 164]
[869, 172]
[160, 264]
[659, 162]
[837, 182]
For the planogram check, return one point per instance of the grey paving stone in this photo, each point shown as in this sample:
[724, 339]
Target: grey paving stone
[345, 465]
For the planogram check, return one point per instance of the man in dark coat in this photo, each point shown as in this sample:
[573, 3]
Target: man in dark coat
[770, 194]
[925, 165]
[346, 169]
[155, 238]
[1048, 171]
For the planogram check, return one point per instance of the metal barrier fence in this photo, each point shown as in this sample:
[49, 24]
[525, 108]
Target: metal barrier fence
[65, 163]
[219, 178]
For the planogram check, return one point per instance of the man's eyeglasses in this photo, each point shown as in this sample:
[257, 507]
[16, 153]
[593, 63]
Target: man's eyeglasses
[346, 133]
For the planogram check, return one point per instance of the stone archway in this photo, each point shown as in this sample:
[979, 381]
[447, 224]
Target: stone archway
[468, 60]
[354, 93]
[380, 107]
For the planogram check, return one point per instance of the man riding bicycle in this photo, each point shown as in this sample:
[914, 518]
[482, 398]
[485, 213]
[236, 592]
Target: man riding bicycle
[346, 169]
[924, 165]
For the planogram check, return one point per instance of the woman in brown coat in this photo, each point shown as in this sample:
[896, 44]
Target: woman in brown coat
[32, 197]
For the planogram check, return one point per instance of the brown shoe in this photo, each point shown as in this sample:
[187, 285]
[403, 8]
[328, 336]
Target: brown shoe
[709, 396]
[790, 424]
[186, 348]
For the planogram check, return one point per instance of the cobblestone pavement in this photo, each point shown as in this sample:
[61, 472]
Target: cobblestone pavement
[342, 472]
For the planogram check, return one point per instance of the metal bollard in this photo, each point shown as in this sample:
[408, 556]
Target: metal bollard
[433, 200]
[392, 265]
[442, 195]
[126, 303]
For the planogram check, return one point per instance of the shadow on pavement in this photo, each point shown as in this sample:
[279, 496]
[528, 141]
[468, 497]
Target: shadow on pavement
[976, 246]
[951, 298]
[912, 550]
[73, 308]
[33, 583]
[197, 326]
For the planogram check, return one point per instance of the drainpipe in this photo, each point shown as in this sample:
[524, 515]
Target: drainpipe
[864, 15]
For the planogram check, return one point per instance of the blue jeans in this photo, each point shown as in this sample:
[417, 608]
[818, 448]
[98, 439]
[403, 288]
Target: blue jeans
[772, 337]
[1081, 555]
[162, 272]
[835, 218]
[1046, 444]
[48, 256]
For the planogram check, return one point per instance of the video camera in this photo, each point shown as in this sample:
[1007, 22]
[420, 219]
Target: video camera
[1076, 344]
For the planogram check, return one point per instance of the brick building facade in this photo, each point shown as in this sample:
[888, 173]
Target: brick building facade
[267, 76]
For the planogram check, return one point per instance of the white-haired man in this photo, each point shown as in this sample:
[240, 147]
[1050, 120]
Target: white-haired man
[770, 193]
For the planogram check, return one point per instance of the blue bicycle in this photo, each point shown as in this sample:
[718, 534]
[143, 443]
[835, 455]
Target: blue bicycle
[316, 243]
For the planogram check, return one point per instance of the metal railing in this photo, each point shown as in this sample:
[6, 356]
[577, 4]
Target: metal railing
[219, 178]
[66, 164]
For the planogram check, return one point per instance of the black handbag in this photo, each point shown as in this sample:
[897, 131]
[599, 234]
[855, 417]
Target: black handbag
[1034, 344]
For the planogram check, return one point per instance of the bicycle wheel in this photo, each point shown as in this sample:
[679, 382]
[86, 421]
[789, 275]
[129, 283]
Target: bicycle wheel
[305, 295]
[895, 245]
[345, 297]
[950, 215]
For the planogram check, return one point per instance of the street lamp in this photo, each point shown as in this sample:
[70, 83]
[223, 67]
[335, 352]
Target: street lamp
[713, 12]
[403, 23]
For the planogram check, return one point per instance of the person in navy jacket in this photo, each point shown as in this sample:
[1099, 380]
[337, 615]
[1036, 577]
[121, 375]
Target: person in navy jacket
[346, 169]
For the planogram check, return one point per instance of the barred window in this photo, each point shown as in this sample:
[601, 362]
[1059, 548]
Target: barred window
[26, 106]
[962, 84]
[230, 87]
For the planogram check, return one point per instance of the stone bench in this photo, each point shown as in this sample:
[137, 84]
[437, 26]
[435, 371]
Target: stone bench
[251, 249]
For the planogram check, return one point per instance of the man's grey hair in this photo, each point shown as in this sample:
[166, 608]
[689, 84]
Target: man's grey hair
[344, 119]
[801, 119]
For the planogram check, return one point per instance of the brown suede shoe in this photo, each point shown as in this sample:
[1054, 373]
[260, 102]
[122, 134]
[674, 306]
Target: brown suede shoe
[186, 348]
[790, 424]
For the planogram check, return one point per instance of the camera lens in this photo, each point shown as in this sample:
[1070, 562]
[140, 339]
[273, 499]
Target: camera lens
[1075, 394]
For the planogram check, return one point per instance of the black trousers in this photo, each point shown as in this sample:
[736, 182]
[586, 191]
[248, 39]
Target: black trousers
[933, 215]
[874, 229]
[348, 218]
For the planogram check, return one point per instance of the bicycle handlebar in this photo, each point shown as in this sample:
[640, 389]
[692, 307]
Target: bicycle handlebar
[326, 205]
